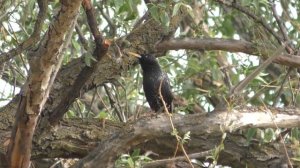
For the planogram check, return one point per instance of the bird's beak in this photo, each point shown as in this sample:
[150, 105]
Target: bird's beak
[133, 54]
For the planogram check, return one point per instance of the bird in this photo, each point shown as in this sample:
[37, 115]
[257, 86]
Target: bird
[154, 81]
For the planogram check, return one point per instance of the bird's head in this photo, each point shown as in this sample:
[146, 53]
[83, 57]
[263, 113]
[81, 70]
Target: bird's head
[147, 61]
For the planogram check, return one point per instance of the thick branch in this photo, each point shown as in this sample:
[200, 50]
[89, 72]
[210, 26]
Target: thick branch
[227, 45]
[76, 138]
[85, 74]
[34, 94]
[110, 67]
[202, 128]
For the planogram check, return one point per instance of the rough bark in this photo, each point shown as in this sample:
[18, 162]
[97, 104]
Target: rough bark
[85, 74]
[35, 92]
[77, 138]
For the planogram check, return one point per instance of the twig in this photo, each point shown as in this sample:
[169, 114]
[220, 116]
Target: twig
[92, 21]
[280, 136]
[79, 109]
[140, 21]
[289, 47]
[91, 104]
[163, 162]
[118, 102]
[113, 102]
[297, 91]
[102, 101]
[81, 37]
[253, 16]
[112, 25]
[281, 88]
[172, 125]
[100, 51]
[240, 86]
[126, 113]
[279, 22]
[225, 68]
[291, 89]
[27, 44]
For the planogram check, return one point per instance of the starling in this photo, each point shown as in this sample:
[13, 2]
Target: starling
[153, 78]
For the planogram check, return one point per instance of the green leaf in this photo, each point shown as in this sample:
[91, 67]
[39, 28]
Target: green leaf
[176, 8]
[259, 78]
[227, 26]
[117, 3]
[124, 8]
[269, 135]
[130, 4]
[297, 159]
[189, 10]
[88, 58]
[135, 153]
[131, 16]
[186, 137]
[154, 13]
[75, 45]
[250, 134]
[130, 162]
[87, 61]
[102, 115]
[162, 5]
[71, 114]
[165, 20]
[295, 133]
[174, 132]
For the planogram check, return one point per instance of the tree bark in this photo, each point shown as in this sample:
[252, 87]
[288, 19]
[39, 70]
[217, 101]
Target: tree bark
[77, 138]
[228, 45]
[35, 92]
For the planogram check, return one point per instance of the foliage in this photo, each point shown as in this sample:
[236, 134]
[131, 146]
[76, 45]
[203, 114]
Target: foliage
[135, 159]
[197, 76]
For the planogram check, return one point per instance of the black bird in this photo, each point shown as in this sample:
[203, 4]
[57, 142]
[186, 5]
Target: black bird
[153, 78]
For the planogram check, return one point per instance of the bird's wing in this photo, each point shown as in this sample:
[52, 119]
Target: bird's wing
[150, 85]
[166, 91]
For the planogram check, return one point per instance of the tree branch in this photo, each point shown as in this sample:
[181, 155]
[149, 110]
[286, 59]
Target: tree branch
[208, 127]
[86, 73]
[235, 5]
[110, 67]
[227, 45]
[34, 94]
[237, 89]
[164, 162]
[154, 134]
